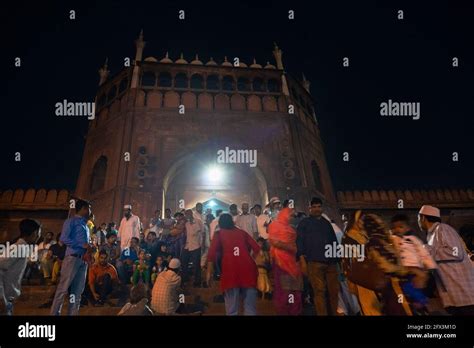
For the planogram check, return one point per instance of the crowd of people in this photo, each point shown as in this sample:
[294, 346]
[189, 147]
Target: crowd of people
[302, 263]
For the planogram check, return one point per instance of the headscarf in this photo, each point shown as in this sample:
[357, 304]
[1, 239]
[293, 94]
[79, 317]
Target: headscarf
[280, 230]
[356, 233]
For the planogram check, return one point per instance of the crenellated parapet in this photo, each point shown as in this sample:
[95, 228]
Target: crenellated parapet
[389, 199]
[34, 199]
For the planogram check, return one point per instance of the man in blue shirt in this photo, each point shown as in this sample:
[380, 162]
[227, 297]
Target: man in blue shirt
[75, 235]
[127, 260]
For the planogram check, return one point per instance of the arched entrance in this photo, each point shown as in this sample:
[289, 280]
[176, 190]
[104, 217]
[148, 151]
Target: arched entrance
[197, 178]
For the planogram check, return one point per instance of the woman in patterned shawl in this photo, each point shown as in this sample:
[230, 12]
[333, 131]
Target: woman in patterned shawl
[383, 253]
[355, 235]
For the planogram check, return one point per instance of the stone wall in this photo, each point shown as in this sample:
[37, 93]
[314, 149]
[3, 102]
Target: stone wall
[50, 207]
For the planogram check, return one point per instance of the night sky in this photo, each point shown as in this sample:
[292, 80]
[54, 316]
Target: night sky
[406, 60]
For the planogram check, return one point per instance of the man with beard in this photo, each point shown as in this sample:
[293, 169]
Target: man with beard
[130, 226]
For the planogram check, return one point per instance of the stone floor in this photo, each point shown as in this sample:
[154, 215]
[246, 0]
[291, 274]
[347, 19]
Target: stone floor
[34, 295]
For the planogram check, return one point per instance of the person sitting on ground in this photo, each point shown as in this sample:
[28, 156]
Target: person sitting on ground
[151, 246]
[165, 293]
[163, 252]
[138, 304]
[103, 279]
[160, 266]
[100, 236]
[112, 248]
[127, 259]
[112, 228]
[167, 297]
[141, 269]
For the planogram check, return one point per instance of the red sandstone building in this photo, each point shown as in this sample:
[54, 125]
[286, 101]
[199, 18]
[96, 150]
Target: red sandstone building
[235, 106]
[158, 128]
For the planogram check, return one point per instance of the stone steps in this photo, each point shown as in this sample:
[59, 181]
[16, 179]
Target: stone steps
[34, 295]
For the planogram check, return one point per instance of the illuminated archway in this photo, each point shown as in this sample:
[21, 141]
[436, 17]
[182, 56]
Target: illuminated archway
[186, 180]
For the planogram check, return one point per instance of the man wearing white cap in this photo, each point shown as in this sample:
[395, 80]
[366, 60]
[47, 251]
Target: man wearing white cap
[164, 297]
[130, 226]
[456, 286]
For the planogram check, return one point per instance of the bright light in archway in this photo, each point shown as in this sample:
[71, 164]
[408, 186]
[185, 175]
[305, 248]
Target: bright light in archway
[212, 203]
[214, 174]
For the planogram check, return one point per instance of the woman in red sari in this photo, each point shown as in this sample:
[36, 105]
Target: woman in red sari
[287, 296]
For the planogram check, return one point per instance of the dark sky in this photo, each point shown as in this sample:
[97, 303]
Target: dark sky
[407, 61]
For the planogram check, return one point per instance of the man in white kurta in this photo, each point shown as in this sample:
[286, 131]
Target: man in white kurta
[130, 226]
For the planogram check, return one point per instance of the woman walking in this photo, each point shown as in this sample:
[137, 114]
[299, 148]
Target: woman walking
[239, 271]
[287, 296]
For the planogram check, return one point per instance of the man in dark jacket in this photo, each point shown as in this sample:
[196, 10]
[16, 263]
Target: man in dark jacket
[315, 236]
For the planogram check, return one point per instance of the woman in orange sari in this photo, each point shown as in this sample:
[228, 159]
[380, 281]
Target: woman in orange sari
[287, 296]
